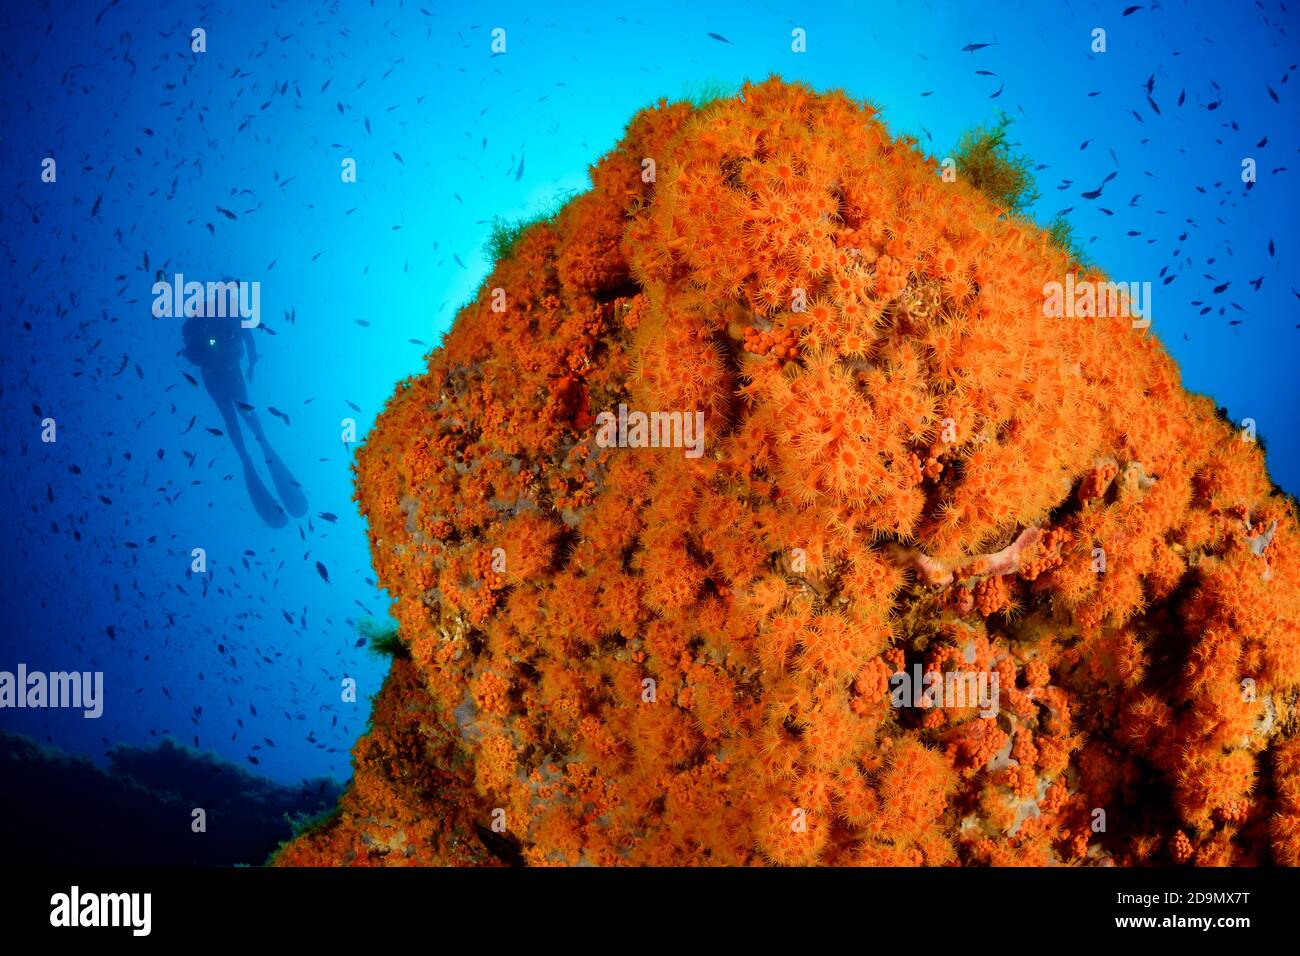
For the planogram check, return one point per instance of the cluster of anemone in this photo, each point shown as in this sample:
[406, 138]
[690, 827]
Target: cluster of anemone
[628, 655]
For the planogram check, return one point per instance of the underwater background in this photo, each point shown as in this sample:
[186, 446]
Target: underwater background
[226, 163]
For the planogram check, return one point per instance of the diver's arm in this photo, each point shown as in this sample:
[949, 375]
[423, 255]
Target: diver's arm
[189, 335]
[251, 348]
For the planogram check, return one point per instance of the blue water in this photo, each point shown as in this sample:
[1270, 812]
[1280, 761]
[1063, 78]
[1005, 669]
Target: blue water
[446, 137]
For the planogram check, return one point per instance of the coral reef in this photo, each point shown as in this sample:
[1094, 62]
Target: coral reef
[625, 655]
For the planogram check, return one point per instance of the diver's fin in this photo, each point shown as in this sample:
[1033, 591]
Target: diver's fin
[295, 502]
[267, 507]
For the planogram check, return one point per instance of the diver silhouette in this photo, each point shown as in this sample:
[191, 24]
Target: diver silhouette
[216, 344]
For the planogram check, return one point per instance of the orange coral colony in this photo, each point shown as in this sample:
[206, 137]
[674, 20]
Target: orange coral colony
[912, 482]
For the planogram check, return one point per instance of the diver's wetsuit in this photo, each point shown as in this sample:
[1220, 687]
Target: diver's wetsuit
[216, 345]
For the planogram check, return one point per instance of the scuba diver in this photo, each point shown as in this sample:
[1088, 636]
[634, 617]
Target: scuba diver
[216, 344]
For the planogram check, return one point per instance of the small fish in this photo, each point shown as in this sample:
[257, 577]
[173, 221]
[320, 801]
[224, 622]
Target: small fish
[227, 213]
[972, 47]
[1130, 10]
[720, 38]
[323, 572]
